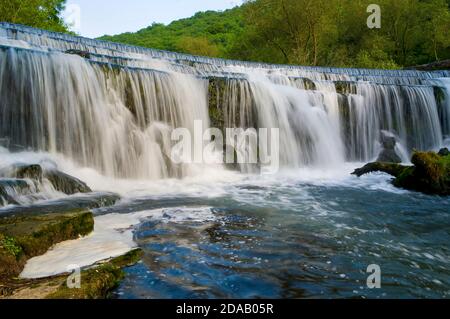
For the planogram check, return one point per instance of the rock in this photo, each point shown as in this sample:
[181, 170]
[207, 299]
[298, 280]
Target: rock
[430, 173]
[388, 140]
[8, 187]
[66, 183]
[388, 154]
[444, 152]
[66, 204]
[22, 171]
[97, 282]
[345, 87]
[81, 53]
[61, 182]
[27, 236]
[389, 168]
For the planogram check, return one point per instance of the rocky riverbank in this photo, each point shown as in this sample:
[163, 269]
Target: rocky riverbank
[27, 231]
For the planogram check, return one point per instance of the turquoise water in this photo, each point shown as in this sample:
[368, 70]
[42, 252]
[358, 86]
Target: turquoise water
[294, 240]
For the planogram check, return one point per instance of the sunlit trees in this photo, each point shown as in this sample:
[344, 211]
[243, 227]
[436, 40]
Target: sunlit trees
[335, 32]
[197, 46]
[44, 14]
[311, 32]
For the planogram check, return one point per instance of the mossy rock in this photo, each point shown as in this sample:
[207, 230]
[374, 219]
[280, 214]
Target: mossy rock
[430, 173]
[345, 87]
[99, 281]
[389, 168]
[24, 237]
[216, 90]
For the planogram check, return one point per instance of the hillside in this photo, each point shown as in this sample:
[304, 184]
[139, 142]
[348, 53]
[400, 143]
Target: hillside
[208, 33]
[306, 32]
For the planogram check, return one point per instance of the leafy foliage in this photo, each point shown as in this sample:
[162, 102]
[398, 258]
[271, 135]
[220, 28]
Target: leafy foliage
[305, 32]
[335, 32]
[206, 33]
[43, 14]
[10, 245]
[310, 32]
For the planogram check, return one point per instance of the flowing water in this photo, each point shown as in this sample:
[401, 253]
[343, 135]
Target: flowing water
[106, 114]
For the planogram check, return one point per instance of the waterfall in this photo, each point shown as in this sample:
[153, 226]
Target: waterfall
[113, 107]
[117, 122]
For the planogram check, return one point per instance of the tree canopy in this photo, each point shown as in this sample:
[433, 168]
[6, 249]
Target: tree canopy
[43, 14]
[311, 32]
[305, 32]
[335, 32]
[208, 33]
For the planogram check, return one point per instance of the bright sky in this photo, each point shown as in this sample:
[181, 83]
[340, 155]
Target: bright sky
[94, 18]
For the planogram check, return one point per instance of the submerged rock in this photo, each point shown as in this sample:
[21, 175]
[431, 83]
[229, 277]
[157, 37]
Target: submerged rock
[388, 154]
[9, 186]
[430, 173]
[22, 171]
[61, 182]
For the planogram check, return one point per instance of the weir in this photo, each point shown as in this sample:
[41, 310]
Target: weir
[112, 107]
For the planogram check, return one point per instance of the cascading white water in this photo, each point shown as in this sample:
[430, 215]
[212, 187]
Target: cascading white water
[114, 109]
[119, 123]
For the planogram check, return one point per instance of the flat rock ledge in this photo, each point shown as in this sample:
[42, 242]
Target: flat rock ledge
[97, 281]
[429, 174]
[25, 236]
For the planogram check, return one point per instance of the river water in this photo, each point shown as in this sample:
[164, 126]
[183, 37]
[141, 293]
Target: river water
[311, 230]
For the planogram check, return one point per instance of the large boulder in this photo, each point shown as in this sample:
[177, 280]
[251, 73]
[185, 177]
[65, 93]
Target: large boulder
[61, 182]
[65, 183]
[388, 154]
[430, 174]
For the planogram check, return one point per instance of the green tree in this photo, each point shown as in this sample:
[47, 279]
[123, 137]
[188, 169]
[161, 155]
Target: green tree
[44, 14]
[335, 33]
[310, 32]
[197, 46]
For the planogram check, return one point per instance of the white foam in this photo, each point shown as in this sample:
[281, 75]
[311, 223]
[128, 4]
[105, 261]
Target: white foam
[112, 237]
